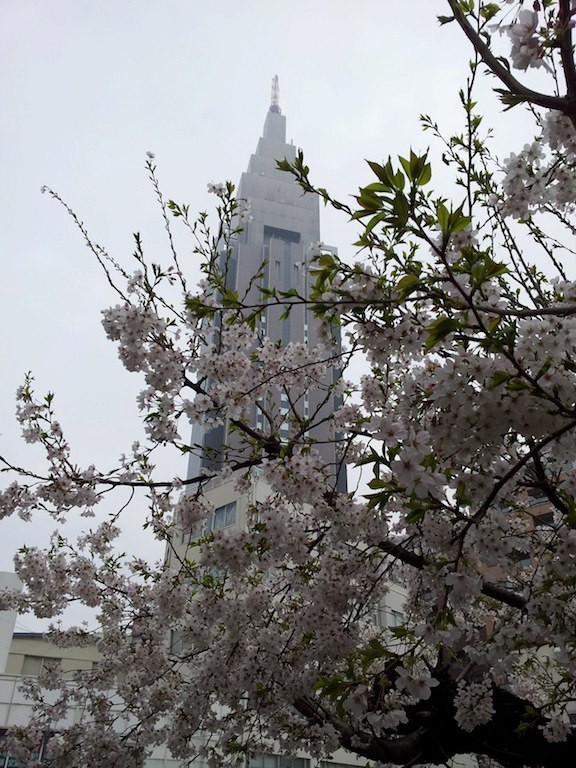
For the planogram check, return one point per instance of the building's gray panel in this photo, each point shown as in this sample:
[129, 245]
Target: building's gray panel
[285, 223]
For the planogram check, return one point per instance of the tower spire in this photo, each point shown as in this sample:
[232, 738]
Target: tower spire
[275, 100]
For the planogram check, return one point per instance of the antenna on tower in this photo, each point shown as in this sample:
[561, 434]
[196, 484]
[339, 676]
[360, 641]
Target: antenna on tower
[275, 100]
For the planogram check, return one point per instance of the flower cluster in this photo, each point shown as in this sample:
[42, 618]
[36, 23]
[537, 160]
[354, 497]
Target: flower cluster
[474, 704]
[526, 48]
[216, 189]
[143, 344]
[417, 685]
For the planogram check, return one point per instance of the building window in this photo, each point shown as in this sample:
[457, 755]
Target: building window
[535, 499]
[263, 323]
[327, 764]
[386, 617]
[396, 618]
[223, 517]
[35, 665]
[177, 642]
[277, 761]
[275, 233]
[40, 756]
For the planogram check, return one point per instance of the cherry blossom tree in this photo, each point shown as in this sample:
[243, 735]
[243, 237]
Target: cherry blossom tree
[465, 311]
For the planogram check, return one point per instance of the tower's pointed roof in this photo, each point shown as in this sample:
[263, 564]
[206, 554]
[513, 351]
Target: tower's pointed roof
[275, 100]
[275, 124]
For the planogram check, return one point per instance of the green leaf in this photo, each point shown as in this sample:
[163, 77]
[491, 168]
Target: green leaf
[493, 324]
[376, 482]
[425, 175]
[377, 186]
[509, 99]
[196, 306]
[451, 221]
[331, 687]
[401, 210]
[383, 173]
[407, 282]
[415, 516]
[416, 168]
[374, 650]
[326, 259]
[460, 494]
[489, 10]
[399, 180]
[443, 216]
[407, 167]
[458, 222]
[400, 632]
[369, 201]
[230, 298]
[439, 329]
[517, 385]
[373, 221]
[495, 268]
[499, 377]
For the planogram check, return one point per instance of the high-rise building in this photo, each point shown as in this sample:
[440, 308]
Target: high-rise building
[276, 244]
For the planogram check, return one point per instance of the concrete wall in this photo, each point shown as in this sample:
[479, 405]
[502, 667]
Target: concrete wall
[28, 650]
[11, 583]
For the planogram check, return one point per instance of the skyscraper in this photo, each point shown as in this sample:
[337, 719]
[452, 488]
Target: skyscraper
[277, 244]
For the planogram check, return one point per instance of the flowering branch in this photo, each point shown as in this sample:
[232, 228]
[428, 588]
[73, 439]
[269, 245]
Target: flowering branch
[519, 92]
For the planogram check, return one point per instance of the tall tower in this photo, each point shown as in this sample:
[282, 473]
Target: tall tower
[277, 244]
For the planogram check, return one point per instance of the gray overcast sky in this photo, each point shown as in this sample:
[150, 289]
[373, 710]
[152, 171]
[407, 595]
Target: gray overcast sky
[88, 87]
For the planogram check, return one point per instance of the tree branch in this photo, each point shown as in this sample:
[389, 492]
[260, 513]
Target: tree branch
[513, 737]
[420, 562]
[564, 104]
[566, 48]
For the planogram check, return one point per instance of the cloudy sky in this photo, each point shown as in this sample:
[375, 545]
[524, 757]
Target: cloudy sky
[88, 87]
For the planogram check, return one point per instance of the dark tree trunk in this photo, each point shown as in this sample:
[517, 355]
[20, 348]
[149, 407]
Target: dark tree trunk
[513, 737]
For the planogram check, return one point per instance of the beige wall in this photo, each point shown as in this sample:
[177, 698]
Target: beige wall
[29, 652]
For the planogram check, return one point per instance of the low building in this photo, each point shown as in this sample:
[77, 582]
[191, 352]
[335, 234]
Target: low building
[27, 654]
